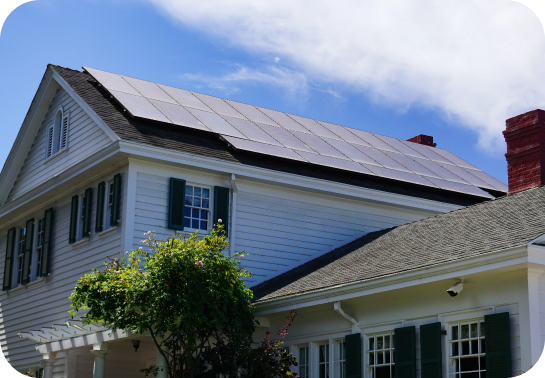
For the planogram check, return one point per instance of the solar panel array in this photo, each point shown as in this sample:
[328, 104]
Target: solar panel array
[251, 128]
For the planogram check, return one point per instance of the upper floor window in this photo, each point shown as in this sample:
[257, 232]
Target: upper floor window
[380, 356]
[323, 361]
[57, 133]
[303, 362]
[339, 359]
[197, 207]
[467, 347]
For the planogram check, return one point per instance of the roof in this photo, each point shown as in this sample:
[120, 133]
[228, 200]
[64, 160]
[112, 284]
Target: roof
[507, 222]
[184, 132]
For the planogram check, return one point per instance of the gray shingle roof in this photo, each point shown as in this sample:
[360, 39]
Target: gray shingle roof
[510, 221]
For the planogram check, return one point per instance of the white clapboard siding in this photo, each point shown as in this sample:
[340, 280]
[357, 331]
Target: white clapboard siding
[43, 303]
[278, 228]
[84, 139]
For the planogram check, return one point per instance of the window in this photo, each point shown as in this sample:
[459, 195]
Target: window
[303, 362]
[109, 205]
[197, 207]
[323, 361]
[57, 134]
[467, 347]
[20, 254]
[380, 356]
[339, 359]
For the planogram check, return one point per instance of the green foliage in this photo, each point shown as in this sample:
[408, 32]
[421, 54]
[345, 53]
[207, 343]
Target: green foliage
[185, 293]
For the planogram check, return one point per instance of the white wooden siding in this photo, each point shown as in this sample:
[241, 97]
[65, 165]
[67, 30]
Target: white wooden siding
[43, 303]
[279, 228]
[84, 139]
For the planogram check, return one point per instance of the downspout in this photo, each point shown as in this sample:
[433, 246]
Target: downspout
[337, 307]
[233, 215]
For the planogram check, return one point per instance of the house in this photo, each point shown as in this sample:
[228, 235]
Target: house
[362, 233]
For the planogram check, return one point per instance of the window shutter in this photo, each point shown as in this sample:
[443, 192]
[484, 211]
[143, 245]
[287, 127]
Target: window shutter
[352, 345]
[8, 265]
[49, 150]
[176, 204]
[221, 207]
[114, 216]
[101, 193]
[27, 251]
[405, 352]
[64, 133]
[431, 355]
[497, 334]
[87, 203]
[73, 220]
[46, 247]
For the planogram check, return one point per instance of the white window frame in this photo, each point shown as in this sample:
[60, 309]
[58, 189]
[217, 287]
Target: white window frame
[323, 359]
[300, 365]
[370, 369]
[108, 196]
[209, 210]
[452, 358]
[339, 358]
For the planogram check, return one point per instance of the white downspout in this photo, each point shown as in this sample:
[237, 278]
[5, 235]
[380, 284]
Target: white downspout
[337, 307]
[233, 215]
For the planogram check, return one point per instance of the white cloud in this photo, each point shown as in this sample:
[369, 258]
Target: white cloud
[478, 61]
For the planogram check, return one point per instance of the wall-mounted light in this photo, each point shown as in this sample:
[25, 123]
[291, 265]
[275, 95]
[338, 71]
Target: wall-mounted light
[455, 290]
[136, 345]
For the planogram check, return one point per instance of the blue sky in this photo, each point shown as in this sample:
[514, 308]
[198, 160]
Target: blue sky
[398, 68]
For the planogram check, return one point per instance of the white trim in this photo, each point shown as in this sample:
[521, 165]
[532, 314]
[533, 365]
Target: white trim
[130, 181]
[108, 231]
[232, 224]
[55, 155]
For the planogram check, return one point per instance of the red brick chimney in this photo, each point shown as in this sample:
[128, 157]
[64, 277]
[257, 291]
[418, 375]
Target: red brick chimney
[525, 137]
[423, 139]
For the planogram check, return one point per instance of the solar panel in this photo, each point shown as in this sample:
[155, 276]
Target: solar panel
[466, 175]
[351, 152]
[319, 145]
[185, 98]
[215, 123]
[314, 127]
[219, 105]
[399, 175]
[453, 158]
[251, 130]
[139, 106]
[410, 163]
[178, 115]
[399, 146]
[344, 133]
[252, 113]
[372, 140]
[283, 120]
[347, 165]
[458, 187]
[440, 171]
[380, 157]
[112, 82]
[497, 184]
[263, 148]
[149, 90]
[427, 151]
[285, 137]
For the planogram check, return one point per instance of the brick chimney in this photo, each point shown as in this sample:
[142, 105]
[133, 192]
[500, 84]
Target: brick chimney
[423, 139]
[525, 137]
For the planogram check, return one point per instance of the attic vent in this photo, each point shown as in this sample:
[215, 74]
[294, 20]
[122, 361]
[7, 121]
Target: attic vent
[57, 133]
[49, 149]
[64, 133]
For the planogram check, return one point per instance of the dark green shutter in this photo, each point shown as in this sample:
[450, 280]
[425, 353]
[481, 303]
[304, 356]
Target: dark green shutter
[8, 262]
[46, 247]
[87, 205]
[352, 347]
[73, 220]
[405, 352]
[497, 331]
[221, 207]
[176, 204]
[101, 194]
[27, 251]
[114, 216]
[431, 355]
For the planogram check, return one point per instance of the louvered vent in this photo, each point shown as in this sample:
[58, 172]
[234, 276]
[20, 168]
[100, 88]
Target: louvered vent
[64, 133]
[49, 150]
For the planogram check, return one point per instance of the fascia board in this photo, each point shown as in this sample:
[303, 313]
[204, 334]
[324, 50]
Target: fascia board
[517, 256]
[218, 165]
[99, 121]
[25, 137]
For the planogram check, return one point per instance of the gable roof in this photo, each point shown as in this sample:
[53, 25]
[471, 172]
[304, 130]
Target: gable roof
[191, 135]
[503, 223]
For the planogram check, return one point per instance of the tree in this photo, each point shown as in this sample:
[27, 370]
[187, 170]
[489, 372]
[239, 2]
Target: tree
[183, 292]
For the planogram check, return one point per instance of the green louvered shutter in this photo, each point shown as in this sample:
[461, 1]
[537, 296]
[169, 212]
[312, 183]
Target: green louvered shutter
[352, 347]
[87, 203]
[221, 207]
[27, 251]
[46, 246]
[73, 220]
[116, 202]
[405, 352]
[497, 334]
[8, 262]
[431, 355]
[176, 204]
[101, 194]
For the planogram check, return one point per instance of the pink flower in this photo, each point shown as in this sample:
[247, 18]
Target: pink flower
[241, 256]
[219, 220]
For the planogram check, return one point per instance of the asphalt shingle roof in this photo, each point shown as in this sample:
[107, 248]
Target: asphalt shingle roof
[510, 221]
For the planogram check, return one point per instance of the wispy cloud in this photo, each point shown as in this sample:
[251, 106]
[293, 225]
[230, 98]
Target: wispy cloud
[477, 61]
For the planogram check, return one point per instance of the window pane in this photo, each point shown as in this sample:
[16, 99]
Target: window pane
[187, 212]
[465, 348]
[187, 222]
[469, 364]
[204, 215]
[205, 203]
[383, 372]
[197, 201]
[474, 332]
[483, 344]
[380, 344]
[188, 201]
[465, 331]
[371, 358]
[194, 213]
[372, 343]
[380, 358]
[205, 193]
[386, 341]
[474, 346]
[189, 190]
[197, 191]
[387, 357]
[455, 349]
[482, 328]
[195, 223]
[204, 225]
[455, 333]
